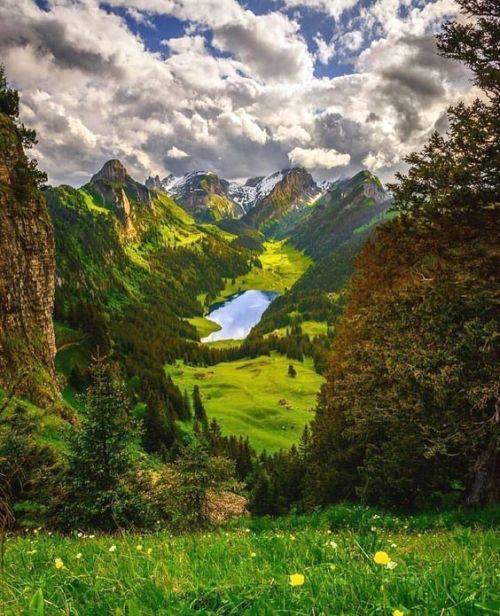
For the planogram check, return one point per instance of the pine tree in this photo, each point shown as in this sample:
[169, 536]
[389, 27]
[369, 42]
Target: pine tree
[159, 435]
[199, 410]
[261, 497]
[187, 407]
[100, 456]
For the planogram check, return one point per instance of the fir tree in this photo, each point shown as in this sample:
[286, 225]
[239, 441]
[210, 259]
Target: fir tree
[199, 410]
[187, 407]
[100, 456]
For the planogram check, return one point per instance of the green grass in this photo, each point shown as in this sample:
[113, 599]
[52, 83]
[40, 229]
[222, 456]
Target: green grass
[244, 570]
[282, 266]
[244, 396]
[311, 328]
[204, 326]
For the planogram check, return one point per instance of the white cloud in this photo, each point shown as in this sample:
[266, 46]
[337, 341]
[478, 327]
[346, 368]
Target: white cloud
[325, 51]
[352, 41]
[175, 152]
[239, 122]
[292, 133]
[318, 158]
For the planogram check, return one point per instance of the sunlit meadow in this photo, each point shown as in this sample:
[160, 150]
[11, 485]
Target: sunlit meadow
[344, 561]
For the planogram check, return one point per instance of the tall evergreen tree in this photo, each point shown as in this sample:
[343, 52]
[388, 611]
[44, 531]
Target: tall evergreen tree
[199, 410]
[100, 456]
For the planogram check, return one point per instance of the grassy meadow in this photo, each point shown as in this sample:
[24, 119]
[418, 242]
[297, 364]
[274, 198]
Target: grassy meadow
[311, 328]
[282, 266]
[301, 565]
[204, 326]
[255, 397]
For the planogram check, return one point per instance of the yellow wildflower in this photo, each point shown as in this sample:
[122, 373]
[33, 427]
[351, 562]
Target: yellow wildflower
[382, 558]
[138, 547]
[150, 551]
[297, 579]
[58, 563]
[79, 555]
[398, 613]
[112, 548]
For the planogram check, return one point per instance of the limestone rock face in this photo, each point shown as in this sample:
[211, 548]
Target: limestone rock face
[122, 194]
[27, 272]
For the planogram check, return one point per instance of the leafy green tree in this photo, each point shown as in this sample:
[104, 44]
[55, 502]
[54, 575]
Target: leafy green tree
[475, 42]
[197, 473]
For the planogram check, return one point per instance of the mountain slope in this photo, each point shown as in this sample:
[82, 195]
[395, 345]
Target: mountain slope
[128, 283]
[281, 201]
[201, 193]
[333, 233]
[347, 207]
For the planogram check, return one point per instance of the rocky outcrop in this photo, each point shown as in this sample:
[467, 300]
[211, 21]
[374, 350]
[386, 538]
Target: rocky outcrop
[114, 187]
[27, 271]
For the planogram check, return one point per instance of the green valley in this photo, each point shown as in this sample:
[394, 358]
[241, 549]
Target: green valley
[255, 397]
[280, 266]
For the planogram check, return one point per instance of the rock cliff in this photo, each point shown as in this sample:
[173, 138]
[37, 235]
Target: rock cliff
[27, 343]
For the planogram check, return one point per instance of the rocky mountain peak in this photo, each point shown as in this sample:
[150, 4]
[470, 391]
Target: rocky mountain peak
[113, 170]
[114, 187]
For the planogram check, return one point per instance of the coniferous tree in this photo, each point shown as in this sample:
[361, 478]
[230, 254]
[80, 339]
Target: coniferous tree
[199, 410]
[159, 433]
[100, 456]
[187, 407]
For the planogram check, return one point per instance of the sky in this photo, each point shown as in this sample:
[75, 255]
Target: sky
[238, 87]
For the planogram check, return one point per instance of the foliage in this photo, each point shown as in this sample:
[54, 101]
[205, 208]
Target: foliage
[475, 42]
[411, 400]
[28, 178]
[25, 465]
[183, 494]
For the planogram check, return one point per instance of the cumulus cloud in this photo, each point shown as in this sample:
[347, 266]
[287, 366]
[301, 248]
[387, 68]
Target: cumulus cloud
[318, 158]
[175, 152]
[235, 92]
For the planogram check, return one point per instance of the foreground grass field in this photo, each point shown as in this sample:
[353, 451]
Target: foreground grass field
[248, 569]
[255, 397]
[282, 266]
